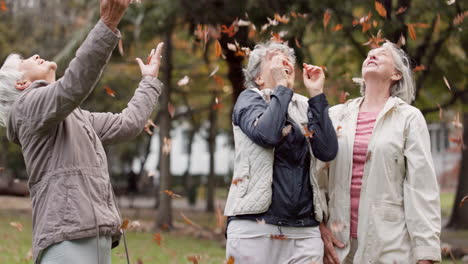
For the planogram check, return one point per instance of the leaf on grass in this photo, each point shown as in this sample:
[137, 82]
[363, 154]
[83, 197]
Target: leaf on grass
[157, 238]
[337, 28]
[463, 200]
[401, 10]
[17, 225]
[125, 223]
[307, 132]
[121, 49]
[109, 91]
[381, 9]
[278, 237]
[419, 68]
[172, 194]
[326, 18]
[167, 146]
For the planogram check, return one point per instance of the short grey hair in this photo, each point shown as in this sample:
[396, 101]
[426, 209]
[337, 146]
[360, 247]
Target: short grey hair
[256, 57]
[9, 75]
[403, 88]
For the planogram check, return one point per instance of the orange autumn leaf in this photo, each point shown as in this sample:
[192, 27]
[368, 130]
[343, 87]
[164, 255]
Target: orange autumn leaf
[189, 222]
[282, 19]
[456, 140]
[275, 37]
[3, 6]
[109, 91]
[463, 200]
[172, 194]
[381, 9]
[230, 260]
[326, 19]
[375, 41]
[157, 238]
[366, 26]
[459, 18]
[194, 258]
[307, 132]
[337, 27]
[218, 49]
[401, 10]
[278, 237]
[125, 223]
[421, 25]
[17, 225]
[338, 128]
[419, 68]
[324, 68]
[230, 31]
[375, 23]
[236, 181]
[411, 31]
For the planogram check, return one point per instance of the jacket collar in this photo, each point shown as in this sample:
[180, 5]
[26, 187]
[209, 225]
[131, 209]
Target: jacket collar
[392, 102]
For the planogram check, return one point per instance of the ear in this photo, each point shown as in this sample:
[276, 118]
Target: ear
[396, 77]
[259, 81]
[22, 85]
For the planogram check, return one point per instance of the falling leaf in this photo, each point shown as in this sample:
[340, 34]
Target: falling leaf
[230, 31]
[411, 31]
[343, 97]
[125, 223]
[450, 2]
[148, 126]
[3, 6]
[236, 181]
[172, 194]
[230, 260]
[121, 49]
[183, 81]
[189, 222]
[419, 68]
[167, 147]
[447, 83]
[326, 18]
[275, 37]
[219, 80]
[278, 237]
[324, 68]
[171, 110]
[232, 47]
[375, 41]
[381, 9]
[421, 25]
[401, 41]
[109, 91]
[365, 27]
[337, 27]
[459, 18]
[463, 200]
[401, 10]
[218, 49]
[307, 133]
[157, 238]
[194, 258]
[375, 23]
[282, 19]
[216, 69]
[17, 225]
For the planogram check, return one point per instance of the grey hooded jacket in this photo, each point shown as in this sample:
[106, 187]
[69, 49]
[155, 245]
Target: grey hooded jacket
[71, 193]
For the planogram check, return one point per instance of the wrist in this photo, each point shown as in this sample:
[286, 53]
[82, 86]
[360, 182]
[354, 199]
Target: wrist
[111, 25]
[315, 93]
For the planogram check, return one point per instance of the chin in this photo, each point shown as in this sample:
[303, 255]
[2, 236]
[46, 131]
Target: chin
[52, 66]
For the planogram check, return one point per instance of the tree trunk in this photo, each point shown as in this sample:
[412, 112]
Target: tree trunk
[164, 216]
[459, 218]
[211, 184]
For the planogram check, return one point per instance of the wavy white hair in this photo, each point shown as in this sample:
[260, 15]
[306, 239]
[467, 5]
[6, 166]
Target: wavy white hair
[256, 57]
[403, 88]
[9, 74]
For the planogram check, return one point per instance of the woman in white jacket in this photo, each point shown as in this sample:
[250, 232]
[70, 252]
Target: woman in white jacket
[381, 190]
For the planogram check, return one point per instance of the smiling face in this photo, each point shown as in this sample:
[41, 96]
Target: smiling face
[379, 64]
[265, 72]
[34, 68]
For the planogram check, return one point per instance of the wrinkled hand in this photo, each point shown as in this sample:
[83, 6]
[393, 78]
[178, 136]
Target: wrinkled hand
[314, 79]
[112, 12]
[154, 61]
[329, 242]
[281, 69]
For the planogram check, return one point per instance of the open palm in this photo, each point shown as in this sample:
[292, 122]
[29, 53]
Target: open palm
[153, 62]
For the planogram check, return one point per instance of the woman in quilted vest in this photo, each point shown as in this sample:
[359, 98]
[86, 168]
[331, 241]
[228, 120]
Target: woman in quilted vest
[273, 205]
[383, 194]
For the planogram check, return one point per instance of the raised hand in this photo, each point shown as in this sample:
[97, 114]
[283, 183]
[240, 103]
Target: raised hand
[282, 71]
[112, 12]
[314, 79]
[153, 62]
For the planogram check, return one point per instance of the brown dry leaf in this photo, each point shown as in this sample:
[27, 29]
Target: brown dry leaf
[337, 27]
[171, 110]
[326, 19]
[218, 49]
[125, 223]
[172, 194]
[139, 261]
[230, 31]
[365, 27]
[236, 181]
[282, 19]
[381, 9]
[17, 225]
[230, 260]
[148, 126]
[460, 17]
[400, 10]
[279, 237]
[194, 258]
[419, 68]
[109, 91]
[189, 222]
[411, 31]
[167, 147]
[421, 25]
[447, 83]
[374, 41]
[463, 200]
[307, 133]
[157, 238]
[338, 128]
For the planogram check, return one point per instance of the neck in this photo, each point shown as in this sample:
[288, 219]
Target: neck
[377, 94]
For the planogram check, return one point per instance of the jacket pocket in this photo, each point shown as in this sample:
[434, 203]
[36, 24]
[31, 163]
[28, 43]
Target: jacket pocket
[391, 212]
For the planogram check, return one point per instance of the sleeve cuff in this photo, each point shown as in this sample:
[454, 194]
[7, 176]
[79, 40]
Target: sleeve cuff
[106, 33]
[282, 90]
[427, 253]
[154, 83]
[318, 99]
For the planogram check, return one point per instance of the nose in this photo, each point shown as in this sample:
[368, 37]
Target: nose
[36, 57]
[372, 57]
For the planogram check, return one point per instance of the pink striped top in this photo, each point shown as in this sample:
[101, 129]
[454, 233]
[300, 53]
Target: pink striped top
[365, 125]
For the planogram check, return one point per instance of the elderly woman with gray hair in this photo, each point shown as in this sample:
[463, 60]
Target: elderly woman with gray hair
[75, 217]
[274, 204]
[382, 192]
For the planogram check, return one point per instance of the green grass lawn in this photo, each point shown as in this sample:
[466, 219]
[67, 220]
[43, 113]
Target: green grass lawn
[14, 245]
[446, 203]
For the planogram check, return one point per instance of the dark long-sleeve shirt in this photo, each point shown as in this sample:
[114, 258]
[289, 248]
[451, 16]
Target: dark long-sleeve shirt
[263, 123]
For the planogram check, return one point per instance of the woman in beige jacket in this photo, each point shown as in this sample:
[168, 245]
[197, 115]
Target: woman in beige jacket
[381, 190]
